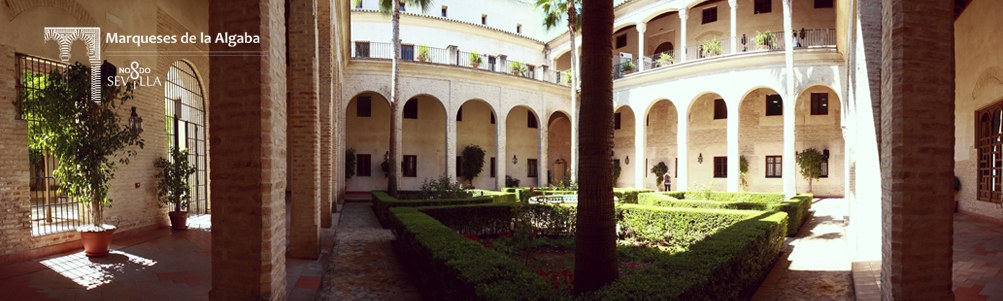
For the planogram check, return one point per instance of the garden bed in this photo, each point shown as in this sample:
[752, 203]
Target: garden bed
[382, 202]
[667, 253]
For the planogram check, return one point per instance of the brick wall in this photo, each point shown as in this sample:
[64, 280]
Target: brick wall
[304, 130]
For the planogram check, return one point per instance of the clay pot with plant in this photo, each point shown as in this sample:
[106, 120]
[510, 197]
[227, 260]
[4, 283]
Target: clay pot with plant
[475, 60]
[173, 189]
[763, 40]
[423, 53]
[87, 138]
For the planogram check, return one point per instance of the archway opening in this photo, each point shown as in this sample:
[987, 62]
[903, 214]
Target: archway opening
[623, 146]
[761, 140]
[185, 118]
[367, 139]
[423, 138]
[707, 143]
[476, 125]
[661, 126]
[559, 148]
[522, 146]
[817, 125]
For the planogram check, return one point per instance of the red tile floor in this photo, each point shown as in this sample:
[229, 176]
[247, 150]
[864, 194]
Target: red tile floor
[159, 265]
[978, 259]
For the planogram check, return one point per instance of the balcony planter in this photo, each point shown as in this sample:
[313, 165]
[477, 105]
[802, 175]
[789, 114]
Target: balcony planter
[423, 52]
[763, 39]
[711, 47]
[475, 60]
[627, 67]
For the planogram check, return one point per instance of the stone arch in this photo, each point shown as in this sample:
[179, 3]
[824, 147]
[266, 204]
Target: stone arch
[661, 139]
[706, 138]
[624, 144]
[823, 132]
[368, 137]
[558, 146]
[760, 136]
[522, 143]
[992, 76]
[475, 128]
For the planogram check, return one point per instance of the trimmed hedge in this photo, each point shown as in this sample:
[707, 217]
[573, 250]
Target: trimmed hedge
[452, 267]
[729, 253]
[727, 265]
[629, 195]
[382, 202]
[797, 208]
[497, 196]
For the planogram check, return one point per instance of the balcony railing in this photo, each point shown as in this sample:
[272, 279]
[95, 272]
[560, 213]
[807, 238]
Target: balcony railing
[454, 57]
[775, 41]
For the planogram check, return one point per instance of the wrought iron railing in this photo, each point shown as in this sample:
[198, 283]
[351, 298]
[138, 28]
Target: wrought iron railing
[454, 57]
[774, 41]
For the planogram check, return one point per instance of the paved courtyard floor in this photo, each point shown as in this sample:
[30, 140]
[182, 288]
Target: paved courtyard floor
[814, 265]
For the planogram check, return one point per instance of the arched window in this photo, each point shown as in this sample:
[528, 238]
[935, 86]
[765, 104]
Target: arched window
[663, 47]
[989, 140]
[184, 107]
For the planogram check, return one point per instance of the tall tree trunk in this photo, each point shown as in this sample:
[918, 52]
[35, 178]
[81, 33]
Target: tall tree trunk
[394, 90]
[572, 32]
[595, 238]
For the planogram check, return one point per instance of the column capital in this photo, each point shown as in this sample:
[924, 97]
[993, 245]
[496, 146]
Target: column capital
[683, 14]
[733, 3]
[641, 27]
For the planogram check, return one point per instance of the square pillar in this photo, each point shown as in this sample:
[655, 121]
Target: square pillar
[682, 130]
[641, 28]
[500, 161]
[640, 143]
[326, 72]
[917, 149]
[734, 25]
[451, 144]
[304, 131]
[543, 167]
[732, 146]
[681, 57]
[789, 100]
[248, 147]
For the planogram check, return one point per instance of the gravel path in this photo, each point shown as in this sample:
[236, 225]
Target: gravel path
[363, 265]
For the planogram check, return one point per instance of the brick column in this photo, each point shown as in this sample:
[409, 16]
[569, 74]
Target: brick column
[682, 131]
[789, 100]
[732, 146]
[681, 56]
[304, 130]
[248, 147]
[640, 144]
[544, 143]
[917, 149]
[501, 161]
[327, 148]
[451, 144]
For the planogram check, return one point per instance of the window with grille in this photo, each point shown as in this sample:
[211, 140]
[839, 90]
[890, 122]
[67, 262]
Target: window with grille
[531, 168]
[411, 109]
[621, 41]
[825, 168]
[709, 15]
[484, 19]
[445, 11]
[361, 49]
[531, 120]
[52, 211]
[820, 103]
[185, 124]
[763, 6]
[407, 52]
[616, 121]
[409, 166]
[774, 105]
[364, 165]
[989, 141]
[774, 167]
[720, 167]
[720, 109]
[493, 172]
[364, 106]
[823, 3]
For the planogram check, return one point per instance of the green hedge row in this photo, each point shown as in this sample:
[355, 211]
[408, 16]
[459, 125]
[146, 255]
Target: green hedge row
[629, 195]
[727, 265]
[382, 202]
[797, 208]
[497, 196]
[729, 253]
[452, 267]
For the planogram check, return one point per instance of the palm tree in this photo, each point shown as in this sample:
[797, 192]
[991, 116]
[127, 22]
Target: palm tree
[394, 9]
[595, 238]
[553, 12]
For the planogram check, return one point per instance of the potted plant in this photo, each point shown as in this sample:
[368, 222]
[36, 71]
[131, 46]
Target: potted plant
[350, 163]
[473, 163]
[475, 60]
[711, 47]
[423, 53]
[87, 138]
[763, 39]
[659, 170]
[518, 69]
[172, 186]
[627, 67]
[664, 59]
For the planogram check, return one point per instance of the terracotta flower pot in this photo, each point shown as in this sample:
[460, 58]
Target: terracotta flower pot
[96, 244]
[179, 220]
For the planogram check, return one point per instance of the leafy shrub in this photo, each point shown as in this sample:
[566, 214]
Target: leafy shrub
[473, 162]
[511, 182]
[629, 195]
[350, 163]
[797, 208]
[711, 47]
[443, 188]
[659, 170]
[674, 227]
